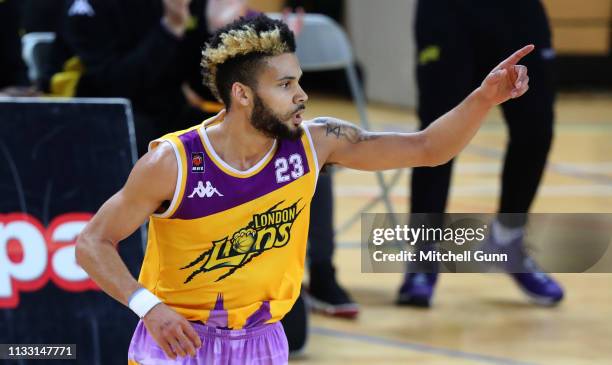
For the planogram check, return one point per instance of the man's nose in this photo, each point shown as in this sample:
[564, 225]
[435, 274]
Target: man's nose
[301, 97]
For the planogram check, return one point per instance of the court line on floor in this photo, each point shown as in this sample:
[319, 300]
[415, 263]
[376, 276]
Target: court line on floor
[557, 167]
[427, 349]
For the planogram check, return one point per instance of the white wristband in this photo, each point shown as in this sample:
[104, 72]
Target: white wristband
[142, 301]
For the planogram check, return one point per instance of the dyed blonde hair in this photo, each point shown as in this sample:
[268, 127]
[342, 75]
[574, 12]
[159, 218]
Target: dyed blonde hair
[260, 37]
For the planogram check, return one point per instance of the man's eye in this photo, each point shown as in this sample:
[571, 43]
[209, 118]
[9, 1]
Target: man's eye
[285, 85]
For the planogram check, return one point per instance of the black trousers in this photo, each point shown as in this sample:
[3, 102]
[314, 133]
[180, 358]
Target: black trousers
[321, 229]
[320, 254]
[459, 42]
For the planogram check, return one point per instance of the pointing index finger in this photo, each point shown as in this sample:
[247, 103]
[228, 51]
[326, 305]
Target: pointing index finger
[517, 56]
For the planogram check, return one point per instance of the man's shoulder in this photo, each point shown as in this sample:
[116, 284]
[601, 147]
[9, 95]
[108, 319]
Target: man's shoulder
[319, 130]
[155, 172]
[322, 126]
[158, 162]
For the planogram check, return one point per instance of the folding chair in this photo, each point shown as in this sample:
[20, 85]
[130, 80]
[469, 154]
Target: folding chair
[322, 45]
[35, 49]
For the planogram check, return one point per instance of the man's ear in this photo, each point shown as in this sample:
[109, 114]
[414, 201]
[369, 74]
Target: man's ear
[242, 94]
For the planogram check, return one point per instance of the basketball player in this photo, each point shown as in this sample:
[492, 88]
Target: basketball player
[228, 201]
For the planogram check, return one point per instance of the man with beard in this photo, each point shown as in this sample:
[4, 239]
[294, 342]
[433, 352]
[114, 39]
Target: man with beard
[229, 200]
[149, 52]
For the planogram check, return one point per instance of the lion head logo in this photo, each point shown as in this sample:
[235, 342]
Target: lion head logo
[243, 240]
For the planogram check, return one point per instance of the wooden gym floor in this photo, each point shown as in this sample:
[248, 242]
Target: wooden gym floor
[476, 318]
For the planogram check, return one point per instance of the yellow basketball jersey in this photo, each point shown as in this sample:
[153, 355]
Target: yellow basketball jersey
[230, 249]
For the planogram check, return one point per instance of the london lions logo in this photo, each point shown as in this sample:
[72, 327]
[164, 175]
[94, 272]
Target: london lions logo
[267, 230]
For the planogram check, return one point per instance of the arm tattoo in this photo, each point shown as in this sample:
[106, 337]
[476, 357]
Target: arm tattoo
[350, 132]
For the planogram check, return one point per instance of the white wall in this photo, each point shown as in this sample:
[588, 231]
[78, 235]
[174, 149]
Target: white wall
[382, 35]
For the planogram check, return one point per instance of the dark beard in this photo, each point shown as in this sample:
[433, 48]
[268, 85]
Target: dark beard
[267, 122]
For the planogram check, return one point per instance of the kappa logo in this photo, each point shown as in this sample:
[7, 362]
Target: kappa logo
[204, 191]
[197, 162]
[267, 230]
[81, 7]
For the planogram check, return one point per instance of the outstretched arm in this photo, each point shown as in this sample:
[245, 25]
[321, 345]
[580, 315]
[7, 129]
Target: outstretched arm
[343, 143]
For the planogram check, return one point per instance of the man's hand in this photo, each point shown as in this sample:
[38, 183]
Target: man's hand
[176, 16]
[508, 80]
[172, 332]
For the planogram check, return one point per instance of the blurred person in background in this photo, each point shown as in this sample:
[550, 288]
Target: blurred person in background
[458, 41]
[142, 50]
[146, 51]
[324, 294]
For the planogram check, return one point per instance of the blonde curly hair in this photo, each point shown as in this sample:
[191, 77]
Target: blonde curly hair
[236, 50]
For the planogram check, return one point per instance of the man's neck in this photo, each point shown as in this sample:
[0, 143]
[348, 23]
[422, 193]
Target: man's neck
[237, 142]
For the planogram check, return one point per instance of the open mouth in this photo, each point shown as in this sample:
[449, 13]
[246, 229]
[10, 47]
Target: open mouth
[297, 118]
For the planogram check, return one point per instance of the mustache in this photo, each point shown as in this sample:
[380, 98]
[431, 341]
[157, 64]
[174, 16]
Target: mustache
[299, 108]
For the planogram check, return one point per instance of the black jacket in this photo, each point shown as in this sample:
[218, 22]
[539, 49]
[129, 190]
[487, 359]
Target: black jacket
[127, 52]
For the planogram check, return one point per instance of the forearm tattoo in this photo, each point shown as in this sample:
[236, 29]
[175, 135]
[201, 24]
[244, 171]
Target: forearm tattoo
[347, 131]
